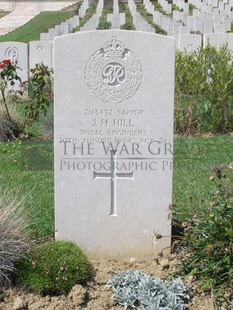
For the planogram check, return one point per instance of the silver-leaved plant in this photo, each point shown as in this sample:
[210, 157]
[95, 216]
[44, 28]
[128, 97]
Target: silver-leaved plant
[137, 290]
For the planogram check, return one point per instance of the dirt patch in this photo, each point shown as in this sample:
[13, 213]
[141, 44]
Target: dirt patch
[95, 295]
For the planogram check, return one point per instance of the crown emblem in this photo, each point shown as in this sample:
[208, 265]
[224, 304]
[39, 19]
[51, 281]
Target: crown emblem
[113, 73]
[113, 48]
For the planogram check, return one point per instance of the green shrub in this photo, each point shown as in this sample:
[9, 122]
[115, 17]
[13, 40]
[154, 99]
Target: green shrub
[208, 238]
[14, 239]
[128, 26]
[39, 91]
[103, 24]
[204, 91]
[8, 78]
[53, 268]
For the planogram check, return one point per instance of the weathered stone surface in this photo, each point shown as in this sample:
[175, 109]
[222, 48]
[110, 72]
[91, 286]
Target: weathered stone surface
[113, 140]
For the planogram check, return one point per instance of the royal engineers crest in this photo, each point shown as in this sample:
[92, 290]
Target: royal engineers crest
[113, 73]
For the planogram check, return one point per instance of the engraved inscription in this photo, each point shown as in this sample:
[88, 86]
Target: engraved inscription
[40, 48]
[113, 73]
[12, 53]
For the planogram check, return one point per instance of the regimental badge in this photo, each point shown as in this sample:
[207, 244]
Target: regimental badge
[113, 73]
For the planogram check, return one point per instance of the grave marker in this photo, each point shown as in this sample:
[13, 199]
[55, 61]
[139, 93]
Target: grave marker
[113, 141]
[16, 51]
[40, 52]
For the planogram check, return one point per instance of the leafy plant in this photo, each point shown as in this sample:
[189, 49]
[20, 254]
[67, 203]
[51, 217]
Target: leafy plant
[53, 268]
[103, 24]
[208, 239]
[204, 91]
[8, 78]
[134, 289]
[128, 26]
[14, 238]
[39, 90]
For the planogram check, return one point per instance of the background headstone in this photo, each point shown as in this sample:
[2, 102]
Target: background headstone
[40, 52]
[16, 51]
[218, 39]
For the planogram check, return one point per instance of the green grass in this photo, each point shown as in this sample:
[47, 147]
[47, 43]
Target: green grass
[192, 159]
[41, 23]
[17, 176]
[103, 23]
[191, 8]
[129, 25]
[158, 7]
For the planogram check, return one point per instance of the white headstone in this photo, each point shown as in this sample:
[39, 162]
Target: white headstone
[53, 33]
[16, 51]
[227, 23]
[73, 22]
[113, 140]
[189, 42]
[218, 39]
[122, 18]
[40, 52]
[208, 27]
[45, 36]
[219, 28]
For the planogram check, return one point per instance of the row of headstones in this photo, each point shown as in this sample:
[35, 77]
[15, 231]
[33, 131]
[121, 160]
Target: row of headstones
[72, 23]
[180, 22]
[83, 8]
[62, 29]
[193, 42]
[28, 55]
[116, 19]
[93, 22]
[68, 26]
[139, 22]
[202, 21]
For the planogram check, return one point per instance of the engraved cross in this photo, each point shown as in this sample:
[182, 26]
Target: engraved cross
[113, 176]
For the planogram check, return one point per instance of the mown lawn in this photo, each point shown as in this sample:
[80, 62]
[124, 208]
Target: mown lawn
[27, 168]
[192, 160]
[41, 23]
[23, 173]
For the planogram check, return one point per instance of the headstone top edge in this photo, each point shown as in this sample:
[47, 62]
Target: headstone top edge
[114, 31]
[15, 42]
[39, 41]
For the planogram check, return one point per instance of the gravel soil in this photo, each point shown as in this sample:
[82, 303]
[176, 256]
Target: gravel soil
[95, 295]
